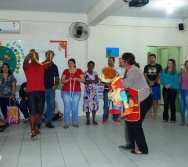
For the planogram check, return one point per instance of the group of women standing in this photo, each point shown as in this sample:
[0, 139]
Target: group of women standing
[71, 92]
[171, 80]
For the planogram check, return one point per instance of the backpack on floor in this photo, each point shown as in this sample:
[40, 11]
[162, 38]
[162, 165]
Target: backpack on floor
[13, 114]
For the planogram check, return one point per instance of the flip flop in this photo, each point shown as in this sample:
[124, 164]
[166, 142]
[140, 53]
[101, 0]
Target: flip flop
[138, 153]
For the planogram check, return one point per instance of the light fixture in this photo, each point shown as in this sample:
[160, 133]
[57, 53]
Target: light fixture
[170, 8]
[169, 5]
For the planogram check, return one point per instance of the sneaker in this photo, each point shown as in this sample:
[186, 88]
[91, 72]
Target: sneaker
[26, 120]
[49, 125]
[104, 121]
[33, 136]
[37, 133]
[117, 121]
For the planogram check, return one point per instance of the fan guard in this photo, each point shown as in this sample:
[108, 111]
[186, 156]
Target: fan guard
[79, 31]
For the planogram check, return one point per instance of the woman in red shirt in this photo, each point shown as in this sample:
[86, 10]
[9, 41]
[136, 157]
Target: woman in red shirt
[71, 92]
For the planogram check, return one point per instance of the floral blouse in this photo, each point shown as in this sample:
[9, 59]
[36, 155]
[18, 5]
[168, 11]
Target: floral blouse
[6, 85]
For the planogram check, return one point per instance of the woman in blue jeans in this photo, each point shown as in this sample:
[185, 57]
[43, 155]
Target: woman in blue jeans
[71, 92]
[183, 93]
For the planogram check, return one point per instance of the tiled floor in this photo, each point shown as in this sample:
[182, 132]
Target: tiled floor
[93, 146]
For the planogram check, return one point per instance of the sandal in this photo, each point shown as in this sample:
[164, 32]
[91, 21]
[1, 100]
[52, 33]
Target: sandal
[148, 117]
[88, 122]
[75, 125]
[182, 123]
[138, 152]
[66, 126]
[95, 123]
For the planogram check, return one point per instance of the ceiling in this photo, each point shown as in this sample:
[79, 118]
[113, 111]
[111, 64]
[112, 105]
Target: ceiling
[155, 8]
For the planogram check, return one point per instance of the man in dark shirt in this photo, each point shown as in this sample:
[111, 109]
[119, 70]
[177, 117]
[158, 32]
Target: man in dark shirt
[152, 73]
[51, 81]
[24, 102]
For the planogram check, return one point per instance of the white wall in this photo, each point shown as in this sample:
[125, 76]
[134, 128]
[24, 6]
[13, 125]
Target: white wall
[128, 34]
[185, 38]
[133, 35]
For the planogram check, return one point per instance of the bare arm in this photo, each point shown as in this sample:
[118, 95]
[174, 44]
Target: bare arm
[56, 82]
[150, 83]
[63, 80]
[81, 79]
[96, 80]
[156, 80]
[13, 88]
[147, 79]
[26, 61]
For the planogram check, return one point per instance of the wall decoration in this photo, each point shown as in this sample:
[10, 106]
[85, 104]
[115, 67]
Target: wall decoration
[13, 52]
[112, 52]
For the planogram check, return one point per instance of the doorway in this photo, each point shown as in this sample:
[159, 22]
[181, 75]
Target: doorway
[162, 56]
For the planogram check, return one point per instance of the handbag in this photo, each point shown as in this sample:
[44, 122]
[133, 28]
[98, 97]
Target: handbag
[13, 114]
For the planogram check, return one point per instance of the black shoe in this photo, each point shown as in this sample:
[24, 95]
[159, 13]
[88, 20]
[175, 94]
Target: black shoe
[49, 125]
[3, 127]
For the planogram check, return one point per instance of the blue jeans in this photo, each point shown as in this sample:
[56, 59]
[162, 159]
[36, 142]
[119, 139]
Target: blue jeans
[183, 96]
[71, 102]
[106, 107]
[50, 103]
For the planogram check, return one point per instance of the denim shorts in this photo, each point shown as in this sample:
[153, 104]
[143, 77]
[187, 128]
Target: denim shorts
[36, 102]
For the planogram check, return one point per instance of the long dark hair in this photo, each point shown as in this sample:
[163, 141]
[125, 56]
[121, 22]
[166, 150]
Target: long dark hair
[5, 64]
[173, 67]
[129, 58]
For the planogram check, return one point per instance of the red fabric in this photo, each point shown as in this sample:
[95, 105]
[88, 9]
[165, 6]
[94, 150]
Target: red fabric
[114, 111]
[66, 86]
[134, 95]
[35, 77]
[117, 84]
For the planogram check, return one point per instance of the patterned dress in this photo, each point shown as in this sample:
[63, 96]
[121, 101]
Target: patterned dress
[91, 101]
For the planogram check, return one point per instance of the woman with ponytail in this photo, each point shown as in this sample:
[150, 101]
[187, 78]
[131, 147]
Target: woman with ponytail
[135, 80]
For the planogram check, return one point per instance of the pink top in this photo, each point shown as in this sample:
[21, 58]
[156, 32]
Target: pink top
[184, 82]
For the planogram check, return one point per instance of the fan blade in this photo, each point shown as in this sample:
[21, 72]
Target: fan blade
[84, 32]
[79, 30]
[76, 26]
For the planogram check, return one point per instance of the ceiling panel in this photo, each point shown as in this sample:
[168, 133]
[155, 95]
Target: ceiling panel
[155, 8]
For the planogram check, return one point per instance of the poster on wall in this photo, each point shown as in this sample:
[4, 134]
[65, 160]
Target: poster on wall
[112, 52]
[13, 53]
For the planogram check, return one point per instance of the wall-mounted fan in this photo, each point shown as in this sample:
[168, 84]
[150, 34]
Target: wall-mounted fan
[79, 31]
